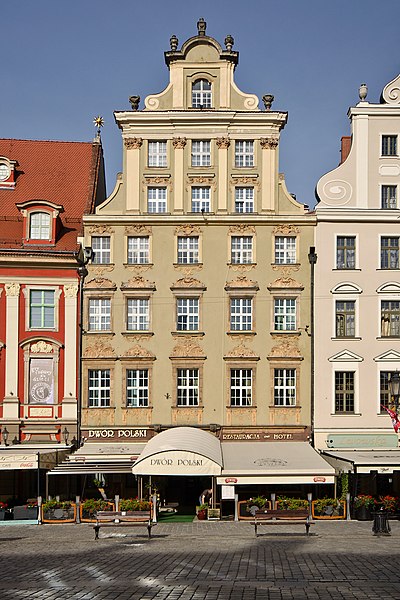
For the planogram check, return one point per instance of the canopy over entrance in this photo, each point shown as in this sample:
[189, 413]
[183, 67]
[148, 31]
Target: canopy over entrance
[31, 457]
[364, 461]
[273, 463]
[180, 451]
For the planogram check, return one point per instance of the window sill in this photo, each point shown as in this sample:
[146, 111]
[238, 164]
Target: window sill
[138, 407]
[241, 264]
[194, 406]
[285, 264]
[286, 332]
[353, 337]
[99, 332]
[184, 333]
[388, 337]
[279, 406]
[195, 264]
[346, 269]
[101, 264]
[136, 265]
[346, 414]
[242, 332]
[233, 406]
[388, 269]
[141, 333]
[101, 407]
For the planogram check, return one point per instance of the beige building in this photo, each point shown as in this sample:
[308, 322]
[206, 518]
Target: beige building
[197, 302]
[358, 296]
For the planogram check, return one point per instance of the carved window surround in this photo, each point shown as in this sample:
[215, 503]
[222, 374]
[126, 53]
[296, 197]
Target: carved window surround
[138, 362]
[98, 363]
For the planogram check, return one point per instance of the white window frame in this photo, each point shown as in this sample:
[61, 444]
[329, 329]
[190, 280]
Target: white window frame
[101, 246]
[244, 153]
[242, 255]
[99, 387]
[137, 382]
[43, 229]
[99, 314]
[285, 393]
[42, 305]
[346, 313]
[355, 387]
[241, 314]
[201, 153]
[388, 250]
[187, 313]
[244, 199]
[156, 199]
[285, 311]
[202, 97]
[137, 314]
[392, 323]
[138, 250]
[188, 249]
[285, 249]
[390, 200]
[201, 199]
[241, 382]
[157, 153]
[187, 386]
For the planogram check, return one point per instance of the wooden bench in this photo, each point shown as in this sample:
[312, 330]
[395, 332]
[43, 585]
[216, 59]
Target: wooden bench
[107, 518]
[283, 517]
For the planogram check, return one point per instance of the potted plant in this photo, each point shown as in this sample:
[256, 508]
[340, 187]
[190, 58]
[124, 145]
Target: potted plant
[363, 504]
[388, 504]
[26, 511]
[286, 503]
[89, 507]
[202, 512]
[55, 511]
[328, 508]
[245, 507]
[3, 507]
[133, 504]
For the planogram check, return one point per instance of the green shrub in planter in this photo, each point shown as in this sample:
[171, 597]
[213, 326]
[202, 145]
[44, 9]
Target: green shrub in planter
[286, 503]
[134, 504]
[259, 501]
[91, 505]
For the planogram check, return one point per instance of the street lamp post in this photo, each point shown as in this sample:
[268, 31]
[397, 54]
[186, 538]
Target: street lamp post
[312, 259]
[82, 258]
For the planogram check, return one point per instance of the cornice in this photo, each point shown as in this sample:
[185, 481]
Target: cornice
[351, 215]
[307, 219]
[131, 122]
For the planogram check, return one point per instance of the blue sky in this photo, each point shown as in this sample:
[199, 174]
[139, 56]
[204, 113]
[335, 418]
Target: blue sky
[66, 61]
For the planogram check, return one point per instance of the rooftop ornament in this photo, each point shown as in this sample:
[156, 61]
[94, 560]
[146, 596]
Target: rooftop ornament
[99, 123]
[229, 41]
[268, 100]
[134, 100]
[201, 26]
[363, 91]
[173, 41]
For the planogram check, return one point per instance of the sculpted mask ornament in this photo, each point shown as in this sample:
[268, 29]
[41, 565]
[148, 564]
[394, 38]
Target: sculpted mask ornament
[269, 143]
[223, 143]
[179, 143]
[12, 289]
[134, 143]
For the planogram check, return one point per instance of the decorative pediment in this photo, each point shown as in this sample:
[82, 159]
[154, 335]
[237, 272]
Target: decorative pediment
[188, 282]
[284, 283]
[346, 287]
[100, 229]
[286, 229]
[241, 282]
[388, 356]
[138, 229]
[187, 229]
[137, 351]
[187, 347]
[241, 351]
[345, 356]
[287, 348]
[41, 347]
[138, 282]
[391, 91]
[242, 228]
[99, 348]
[100, 283]
[390, 287]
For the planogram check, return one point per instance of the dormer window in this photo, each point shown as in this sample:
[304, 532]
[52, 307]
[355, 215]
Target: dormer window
[39, 226]
[4, 172]
[201, 94]
[7, 173]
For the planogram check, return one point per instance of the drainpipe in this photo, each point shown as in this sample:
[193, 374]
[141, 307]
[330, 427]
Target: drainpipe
[312, 259]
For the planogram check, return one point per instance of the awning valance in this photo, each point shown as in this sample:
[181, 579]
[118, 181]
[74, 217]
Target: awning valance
[364, 461]
[273, 463]
[94, 458]
[30, 458]
[180, 451]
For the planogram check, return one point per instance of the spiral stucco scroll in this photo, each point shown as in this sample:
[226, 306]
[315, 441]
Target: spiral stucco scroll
[391, 92]
[251, 102]
[338, 191]
[152, 102]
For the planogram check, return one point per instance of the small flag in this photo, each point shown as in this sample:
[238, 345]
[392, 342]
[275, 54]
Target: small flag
[394, 417]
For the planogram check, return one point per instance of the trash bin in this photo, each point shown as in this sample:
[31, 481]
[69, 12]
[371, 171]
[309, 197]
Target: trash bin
[381, 523]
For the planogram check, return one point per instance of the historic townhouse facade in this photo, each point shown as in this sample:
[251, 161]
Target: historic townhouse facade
[197, 302]
[358, 296]
[45, 187]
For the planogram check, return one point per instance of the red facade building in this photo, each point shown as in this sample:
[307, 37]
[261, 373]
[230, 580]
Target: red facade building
[45, 188]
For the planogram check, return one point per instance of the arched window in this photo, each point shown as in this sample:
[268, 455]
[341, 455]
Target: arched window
[201, 94]
[39, 226]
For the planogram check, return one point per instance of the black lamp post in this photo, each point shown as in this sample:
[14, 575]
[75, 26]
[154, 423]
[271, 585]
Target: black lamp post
[83, 257]
[312, 259]
[394, 388]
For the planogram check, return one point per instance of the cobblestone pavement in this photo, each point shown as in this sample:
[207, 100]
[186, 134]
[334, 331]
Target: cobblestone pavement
[208, 560]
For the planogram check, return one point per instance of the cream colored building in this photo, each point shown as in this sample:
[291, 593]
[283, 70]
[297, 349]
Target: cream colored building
[357, 302]
[197, 302]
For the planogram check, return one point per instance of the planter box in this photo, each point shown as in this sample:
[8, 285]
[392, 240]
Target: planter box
[23, 513]
[342, 514]
[59, 515]
[362, 513]
[88, 517]
[244, 514]
[2, 514]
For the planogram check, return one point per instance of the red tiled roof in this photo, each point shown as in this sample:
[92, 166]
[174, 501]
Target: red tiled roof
[64, 173]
